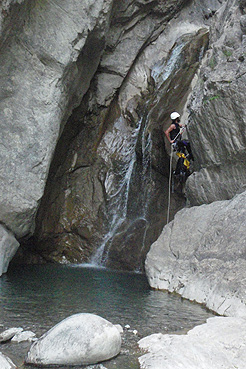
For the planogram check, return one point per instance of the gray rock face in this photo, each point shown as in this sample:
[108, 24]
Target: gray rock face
[114, 174]
[6, 363]
[201, 256]
[77, 340]
[43, 57]
[89, 88]
[8, 248]
[217, 120]
[218, 344]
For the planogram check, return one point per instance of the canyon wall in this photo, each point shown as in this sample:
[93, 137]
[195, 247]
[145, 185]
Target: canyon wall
[87, 91]
[201, 254]
[217, 114]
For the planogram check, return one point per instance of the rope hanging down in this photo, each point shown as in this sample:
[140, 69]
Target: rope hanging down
[169, 185]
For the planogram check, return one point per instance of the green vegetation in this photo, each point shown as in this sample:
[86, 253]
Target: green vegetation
[206, 100]
[227, 52]
[212, 62]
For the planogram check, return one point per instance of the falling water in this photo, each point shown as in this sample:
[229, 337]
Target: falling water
[118, 195]
[165, 68]
[136, 171]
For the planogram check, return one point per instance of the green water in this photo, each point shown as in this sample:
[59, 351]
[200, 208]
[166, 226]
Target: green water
[37, 297]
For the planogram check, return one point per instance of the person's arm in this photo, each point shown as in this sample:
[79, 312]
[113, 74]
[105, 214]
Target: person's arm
[167, 132]
[182, 128]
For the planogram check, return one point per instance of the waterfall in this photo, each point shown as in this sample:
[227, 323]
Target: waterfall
[162, 70]
[119, 201]
[117, 194]
[134, 172]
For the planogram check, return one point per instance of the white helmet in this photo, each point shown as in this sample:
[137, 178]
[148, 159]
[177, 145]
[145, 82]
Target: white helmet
[174, 115]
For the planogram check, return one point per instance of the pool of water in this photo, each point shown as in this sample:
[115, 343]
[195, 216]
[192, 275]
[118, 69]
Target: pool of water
[37, 297]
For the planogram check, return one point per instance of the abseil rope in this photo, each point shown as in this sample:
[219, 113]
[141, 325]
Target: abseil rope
[169, 185]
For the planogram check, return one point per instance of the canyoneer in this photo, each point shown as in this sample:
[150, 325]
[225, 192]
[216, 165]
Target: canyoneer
[181, 146]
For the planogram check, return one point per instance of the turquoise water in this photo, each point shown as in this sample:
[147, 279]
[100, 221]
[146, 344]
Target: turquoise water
[37, 297]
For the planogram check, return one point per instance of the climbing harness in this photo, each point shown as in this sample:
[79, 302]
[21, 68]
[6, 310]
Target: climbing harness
[186, 161]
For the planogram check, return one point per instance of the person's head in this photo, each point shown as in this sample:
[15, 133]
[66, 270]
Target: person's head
[175, 117]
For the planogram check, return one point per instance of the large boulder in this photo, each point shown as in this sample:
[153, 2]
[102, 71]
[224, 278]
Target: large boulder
[201, 256]
[77, 340]
[218, 344]
[8, 248]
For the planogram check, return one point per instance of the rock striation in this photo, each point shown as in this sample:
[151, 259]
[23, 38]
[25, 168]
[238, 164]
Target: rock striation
[77, 340]
[201, 256]
[217, 115]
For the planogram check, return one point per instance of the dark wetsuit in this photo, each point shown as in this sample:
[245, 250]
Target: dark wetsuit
[174, 134]
[181, 144]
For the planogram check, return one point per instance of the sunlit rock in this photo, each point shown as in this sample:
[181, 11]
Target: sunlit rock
[201, 256]
[23, 336]
[220, 343]
[8, 247]
[6, 363]
[9, 333]
[77, 340]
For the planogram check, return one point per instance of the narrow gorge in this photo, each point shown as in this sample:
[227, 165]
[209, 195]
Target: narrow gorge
[87, 89]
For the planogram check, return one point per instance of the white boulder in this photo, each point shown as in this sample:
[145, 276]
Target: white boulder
[80, 339]
[220, 343]
[201, 256]
[9, 333]
[6, 363]
[23, 336]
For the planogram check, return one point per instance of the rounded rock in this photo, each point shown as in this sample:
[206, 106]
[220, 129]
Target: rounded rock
[81, 339]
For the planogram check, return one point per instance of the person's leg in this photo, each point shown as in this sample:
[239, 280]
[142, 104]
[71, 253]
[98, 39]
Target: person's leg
[188, 147]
